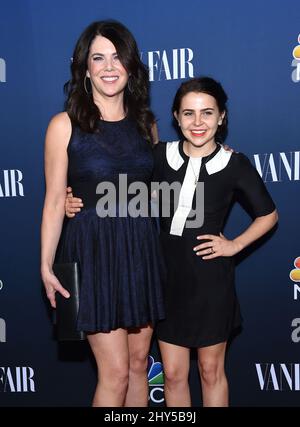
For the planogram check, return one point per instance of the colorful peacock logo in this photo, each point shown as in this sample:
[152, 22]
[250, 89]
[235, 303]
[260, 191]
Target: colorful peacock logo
[295, 273]
[155, 372]
[296, 50]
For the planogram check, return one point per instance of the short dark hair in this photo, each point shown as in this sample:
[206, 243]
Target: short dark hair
[211, 87]
[80, 105]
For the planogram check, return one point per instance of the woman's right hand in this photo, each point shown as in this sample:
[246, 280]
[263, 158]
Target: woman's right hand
[72, 204]
[52, 286]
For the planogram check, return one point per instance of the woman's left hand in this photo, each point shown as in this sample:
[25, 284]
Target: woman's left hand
[216, 246]
[227, 148]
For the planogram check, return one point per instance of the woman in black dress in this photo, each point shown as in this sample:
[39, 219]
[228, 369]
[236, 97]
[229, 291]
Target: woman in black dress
[201, 304]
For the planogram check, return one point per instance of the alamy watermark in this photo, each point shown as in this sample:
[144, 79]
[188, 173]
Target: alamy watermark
[133, 200]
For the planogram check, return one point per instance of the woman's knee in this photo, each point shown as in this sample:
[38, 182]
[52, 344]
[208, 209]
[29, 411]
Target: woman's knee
[175, 375]
[210, 371]
[116, 374]
[138, 361]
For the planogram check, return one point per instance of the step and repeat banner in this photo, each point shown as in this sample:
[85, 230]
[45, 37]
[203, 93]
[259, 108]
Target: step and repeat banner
[253, 48]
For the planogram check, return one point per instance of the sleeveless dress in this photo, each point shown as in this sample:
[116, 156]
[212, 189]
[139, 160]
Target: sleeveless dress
[202, 308]
[119, 256]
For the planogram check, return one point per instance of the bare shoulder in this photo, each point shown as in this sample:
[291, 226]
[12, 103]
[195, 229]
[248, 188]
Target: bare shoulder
[60, 122]
[59, 130]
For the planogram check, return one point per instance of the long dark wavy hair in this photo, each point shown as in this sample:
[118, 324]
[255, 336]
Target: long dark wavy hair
[211, 87]
[80, 105]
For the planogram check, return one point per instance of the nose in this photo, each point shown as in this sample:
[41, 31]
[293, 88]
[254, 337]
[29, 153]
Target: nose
[198, 119]
[109, 64]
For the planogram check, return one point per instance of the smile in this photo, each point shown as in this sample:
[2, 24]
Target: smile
[198, 132]
[110, 79]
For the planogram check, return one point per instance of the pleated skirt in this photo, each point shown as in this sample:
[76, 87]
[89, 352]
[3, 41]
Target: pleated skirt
[121, 267]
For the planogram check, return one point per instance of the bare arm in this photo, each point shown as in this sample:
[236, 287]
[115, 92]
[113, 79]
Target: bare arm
[257, 229]
[56, 165]
[224, 247]
[154, 131]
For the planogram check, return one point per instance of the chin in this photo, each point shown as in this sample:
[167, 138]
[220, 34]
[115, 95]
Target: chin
[111, 93]
[198, 143]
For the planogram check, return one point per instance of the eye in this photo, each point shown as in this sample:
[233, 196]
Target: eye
[116, 57]
[97, 58]
[207, 113]
[187, 113]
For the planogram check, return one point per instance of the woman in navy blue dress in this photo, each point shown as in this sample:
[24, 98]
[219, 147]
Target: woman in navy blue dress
[106, 131]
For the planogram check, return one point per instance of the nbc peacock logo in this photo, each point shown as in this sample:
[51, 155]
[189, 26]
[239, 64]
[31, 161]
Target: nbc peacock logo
[296, 50]
[295, 277]
[295, 273]
[296, 62]
[155, 381]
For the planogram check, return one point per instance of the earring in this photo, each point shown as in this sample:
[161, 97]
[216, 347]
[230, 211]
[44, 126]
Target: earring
[219, 122]
[84, 84]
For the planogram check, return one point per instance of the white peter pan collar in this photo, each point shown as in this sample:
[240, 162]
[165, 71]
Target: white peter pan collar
[175, 161]
[174, 158]
[216, 164]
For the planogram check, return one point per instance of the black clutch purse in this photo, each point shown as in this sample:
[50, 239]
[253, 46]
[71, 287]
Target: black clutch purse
[67, 308]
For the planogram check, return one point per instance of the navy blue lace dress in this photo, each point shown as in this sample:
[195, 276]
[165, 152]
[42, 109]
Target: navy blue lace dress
[119, 257]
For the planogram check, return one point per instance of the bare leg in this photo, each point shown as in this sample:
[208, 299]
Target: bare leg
[112, 358]
[212, 373]
[139, 345]
[176, 363]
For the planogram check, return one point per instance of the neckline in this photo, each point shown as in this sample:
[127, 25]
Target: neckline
[186, 157]
[113, 121]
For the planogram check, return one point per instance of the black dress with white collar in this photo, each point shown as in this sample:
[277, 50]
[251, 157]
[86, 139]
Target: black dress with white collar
[201, 304]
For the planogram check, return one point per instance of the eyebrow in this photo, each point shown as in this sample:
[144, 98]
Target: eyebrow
[102, 54]
[203, 109]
